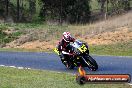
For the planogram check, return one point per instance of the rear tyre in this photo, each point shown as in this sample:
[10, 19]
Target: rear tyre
[70, 65]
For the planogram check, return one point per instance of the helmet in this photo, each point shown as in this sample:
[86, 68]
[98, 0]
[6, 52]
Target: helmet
[67, 36]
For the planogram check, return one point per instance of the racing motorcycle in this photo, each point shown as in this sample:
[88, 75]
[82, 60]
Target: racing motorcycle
[81, 58]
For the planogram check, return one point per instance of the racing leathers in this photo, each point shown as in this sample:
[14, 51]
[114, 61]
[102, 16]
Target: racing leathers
[65, 51]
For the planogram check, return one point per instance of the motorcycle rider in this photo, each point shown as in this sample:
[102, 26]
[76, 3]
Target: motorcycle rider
[64, 47]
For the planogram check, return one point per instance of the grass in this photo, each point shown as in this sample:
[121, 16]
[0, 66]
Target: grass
[22, 26]
[18, 78]
[5, 37]
[54, 31]
[23, 50]
[118, 49]
[35, 31]
[48, 32]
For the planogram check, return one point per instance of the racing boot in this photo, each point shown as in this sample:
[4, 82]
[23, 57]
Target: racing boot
[66, 64]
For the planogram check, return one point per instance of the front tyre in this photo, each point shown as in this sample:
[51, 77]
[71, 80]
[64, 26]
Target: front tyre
[92, 64]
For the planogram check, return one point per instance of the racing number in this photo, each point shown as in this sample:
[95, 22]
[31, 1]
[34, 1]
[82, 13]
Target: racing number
[83, 48]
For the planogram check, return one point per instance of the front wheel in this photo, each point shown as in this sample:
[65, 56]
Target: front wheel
[92, 64]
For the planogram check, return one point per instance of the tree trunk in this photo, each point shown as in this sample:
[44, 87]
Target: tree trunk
[7, 5]
[106, 10]
[18, 8]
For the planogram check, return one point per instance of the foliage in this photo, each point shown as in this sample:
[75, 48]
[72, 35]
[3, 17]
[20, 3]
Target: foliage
[59, 11]
[73, 11]
[115, 5]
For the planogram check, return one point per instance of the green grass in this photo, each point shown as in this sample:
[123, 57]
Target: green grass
[34, 25]
[119, 49]
[44, 31]
[47, 32]
[23, 50]
[6, 38]
[21, 26]
[18, 78]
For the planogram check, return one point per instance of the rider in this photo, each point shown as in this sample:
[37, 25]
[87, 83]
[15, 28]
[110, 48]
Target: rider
[64, 47]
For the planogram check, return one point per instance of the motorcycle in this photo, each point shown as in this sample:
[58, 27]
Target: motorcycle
[81, 58]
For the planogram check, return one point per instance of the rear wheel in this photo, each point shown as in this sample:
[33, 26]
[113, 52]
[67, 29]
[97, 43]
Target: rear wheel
[70, 65]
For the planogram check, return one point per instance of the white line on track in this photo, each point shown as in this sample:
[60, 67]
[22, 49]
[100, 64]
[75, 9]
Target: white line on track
[2, 65]
[14, 67]
[111, 55]
[130, 84]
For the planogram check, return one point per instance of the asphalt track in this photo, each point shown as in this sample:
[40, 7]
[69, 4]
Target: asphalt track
[50, 61]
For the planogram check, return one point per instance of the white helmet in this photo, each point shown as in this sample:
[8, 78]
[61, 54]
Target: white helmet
[67, 36]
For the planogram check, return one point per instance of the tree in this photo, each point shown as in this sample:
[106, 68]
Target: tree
[126, 4]
[7, 5]
[117, 6]
[102, 5]
[32, 6]
[72, 11]
[18, 10]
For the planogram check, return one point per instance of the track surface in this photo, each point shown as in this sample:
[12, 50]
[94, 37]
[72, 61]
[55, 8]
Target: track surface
[50, 61]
